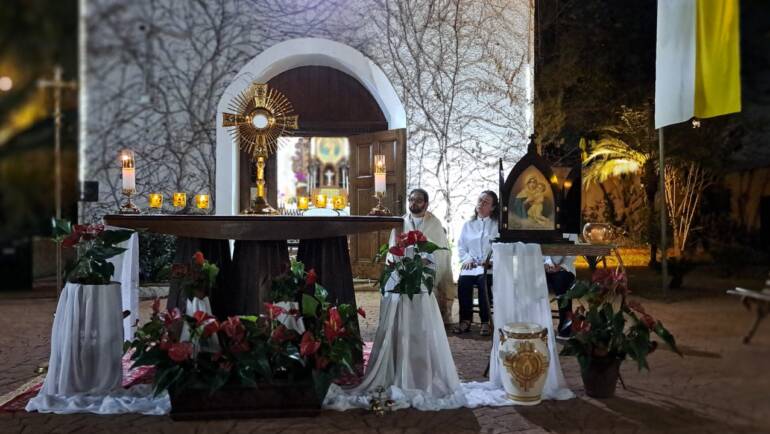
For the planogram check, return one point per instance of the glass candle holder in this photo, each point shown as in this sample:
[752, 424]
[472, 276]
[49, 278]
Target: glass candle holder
[302, 203]
[338, 202]
[320, 201]
[156, 201]
[180, 200]
[202, 201]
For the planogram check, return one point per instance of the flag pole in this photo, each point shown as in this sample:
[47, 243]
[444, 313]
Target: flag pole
[662, 189]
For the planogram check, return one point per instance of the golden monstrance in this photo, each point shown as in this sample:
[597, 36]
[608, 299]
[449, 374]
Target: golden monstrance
[261, 115]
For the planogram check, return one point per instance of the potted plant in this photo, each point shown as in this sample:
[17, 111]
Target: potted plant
[87, 334]
[279, 364]
[412, 267]
[606, 329]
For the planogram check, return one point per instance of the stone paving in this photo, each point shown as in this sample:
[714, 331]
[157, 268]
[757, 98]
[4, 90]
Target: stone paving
[720, 385]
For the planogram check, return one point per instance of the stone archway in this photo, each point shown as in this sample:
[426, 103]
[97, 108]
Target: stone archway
[283, 57]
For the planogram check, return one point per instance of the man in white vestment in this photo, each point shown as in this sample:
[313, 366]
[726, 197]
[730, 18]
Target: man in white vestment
[420, 219]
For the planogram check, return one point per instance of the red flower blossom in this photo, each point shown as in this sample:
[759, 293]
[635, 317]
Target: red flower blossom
[180, 351]
[234, 329]
[308, 346]
[362, 312]
[211, 327]
[171, 316]
[198, 258]
[280, 334]
[201, 317]
[333, 326]
[165, 344]
[239, 347]
[649, 321]
[71, 240]
[311, 278]
[579, 324]
[396, 251]
[274, 311]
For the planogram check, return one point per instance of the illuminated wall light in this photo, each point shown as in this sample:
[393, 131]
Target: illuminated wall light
[6, 84]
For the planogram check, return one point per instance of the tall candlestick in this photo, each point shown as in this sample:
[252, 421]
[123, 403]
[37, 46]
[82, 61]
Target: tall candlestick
[128, 171]
[379, 174]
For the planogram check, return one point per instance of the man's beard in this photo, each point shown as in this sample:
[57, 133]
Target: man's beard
[414, 209]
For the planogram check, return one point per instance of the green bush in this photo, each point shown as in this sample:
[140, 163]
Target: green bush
[156, 254]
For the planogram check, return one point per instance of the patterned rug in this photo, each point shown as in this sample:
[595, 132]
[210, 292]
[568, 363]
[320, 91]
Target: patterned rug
[18, 398]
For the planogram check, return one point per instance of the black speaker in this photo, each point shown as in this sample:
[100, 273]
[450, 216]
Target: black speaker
[88, 191]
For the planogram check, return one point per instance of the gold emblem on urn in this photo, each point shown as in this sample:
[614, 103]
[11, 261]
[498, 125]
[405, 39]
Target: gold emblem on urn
[526, 365]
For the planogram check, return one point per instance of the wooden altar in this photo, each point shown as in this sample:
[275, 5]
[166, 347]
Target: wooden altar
[261, 252]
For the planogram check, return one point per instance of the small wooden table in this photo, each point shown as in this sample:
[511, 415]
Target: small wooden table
[261, 252]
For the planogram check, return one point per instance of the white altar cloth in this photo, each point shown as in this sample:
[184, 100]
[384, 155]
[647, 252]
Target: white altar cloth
[85, 371]
[520, 294]
[410, 359]
[127, 273]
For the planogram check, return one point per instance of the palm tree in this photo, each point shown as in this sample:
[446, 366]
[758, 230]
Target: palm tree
[627, 148]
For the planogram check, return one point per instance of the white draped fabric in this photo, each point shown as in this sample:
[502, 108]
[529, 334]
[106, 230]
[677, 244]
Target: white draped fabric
[85, 371]
[520, 294]
[127, 273]
[410, 359]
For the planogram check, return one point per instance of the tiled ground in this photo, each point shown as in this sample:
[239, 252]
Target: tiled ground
[720, 386]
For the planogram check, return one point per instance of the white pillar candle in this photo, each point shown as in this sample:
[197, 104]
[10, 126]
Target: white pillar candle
[129, 179]
[379, 182]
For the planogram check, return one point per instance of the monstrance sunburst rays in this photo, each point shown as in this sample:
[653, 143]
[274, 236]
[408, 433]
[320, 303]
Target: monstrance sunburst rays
[261, 115]
[270, 108]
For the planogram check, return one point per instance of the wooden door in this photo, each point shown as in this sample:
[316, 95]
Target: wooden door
[363, 148]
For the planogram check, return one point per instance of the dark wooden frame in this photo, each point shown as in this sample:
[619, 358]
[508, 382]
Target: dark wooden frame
[531, 158]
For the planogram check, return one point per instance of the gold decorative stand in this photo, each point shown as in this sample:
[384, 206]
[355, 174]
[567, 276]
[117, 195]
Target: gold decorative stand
[379, 210]
[128, 206]
[260, 205]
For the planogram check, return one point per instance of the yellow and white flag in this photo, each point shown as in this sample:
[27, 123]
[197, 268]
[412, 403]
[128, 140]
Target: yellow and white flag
[697, 66]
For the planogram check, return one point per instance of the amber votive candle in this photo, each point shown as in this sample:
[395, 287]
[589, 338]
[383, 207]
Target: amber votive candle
[180, 200]
[302, 202]
[156, 200]
[338, 202]
[202, 201]
[320, 201]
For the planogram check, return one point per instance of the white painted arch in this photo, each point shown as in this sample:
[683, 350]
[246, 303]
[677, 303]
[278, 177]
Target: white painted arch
[282, 57]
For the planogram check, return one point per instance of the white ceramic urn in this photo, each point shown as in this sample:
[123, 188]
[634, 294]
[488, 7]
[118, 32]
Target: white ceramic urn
[524, 360]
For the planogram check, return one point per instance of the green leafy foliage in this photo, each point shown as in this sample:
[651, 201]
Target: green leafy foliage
[605, 324]
[94, 245]
[411, 264]
[301, 338]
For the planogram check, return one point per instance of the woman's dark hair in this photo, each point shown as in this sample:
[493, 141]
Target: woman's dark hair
[495, 206]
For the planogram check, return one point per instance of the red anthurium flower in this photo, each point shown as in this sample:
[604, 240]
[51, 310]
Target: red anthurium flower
[201, 317]
[648, 320]
[226, 366]
[180, 351]
[333, 326]
[198, 258]
[280, 334]
[421, 237]
[311, 278]
[165, 344]
[171, 316]
[234, 329]
[362, 312]
[72, 239]
[308, 346]
[396, 251]
[579, 324]
[211, 327]
[274, 311]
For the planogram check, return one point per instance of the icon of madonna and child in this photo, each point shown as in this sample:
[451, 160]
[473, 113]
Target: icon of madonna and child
[531, 202]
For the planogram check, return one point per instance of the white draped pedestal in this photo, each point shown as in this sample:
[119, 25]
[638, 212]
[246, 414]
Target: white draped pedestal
[85, 371]
[127, 273]
[410, 359]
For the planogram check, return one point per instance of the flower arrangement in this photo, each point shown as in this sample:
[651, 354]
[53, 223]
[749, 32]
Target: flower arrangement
[412, 264]
[94, 246]
[300, 338]
[606, 325]
[196, 278]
